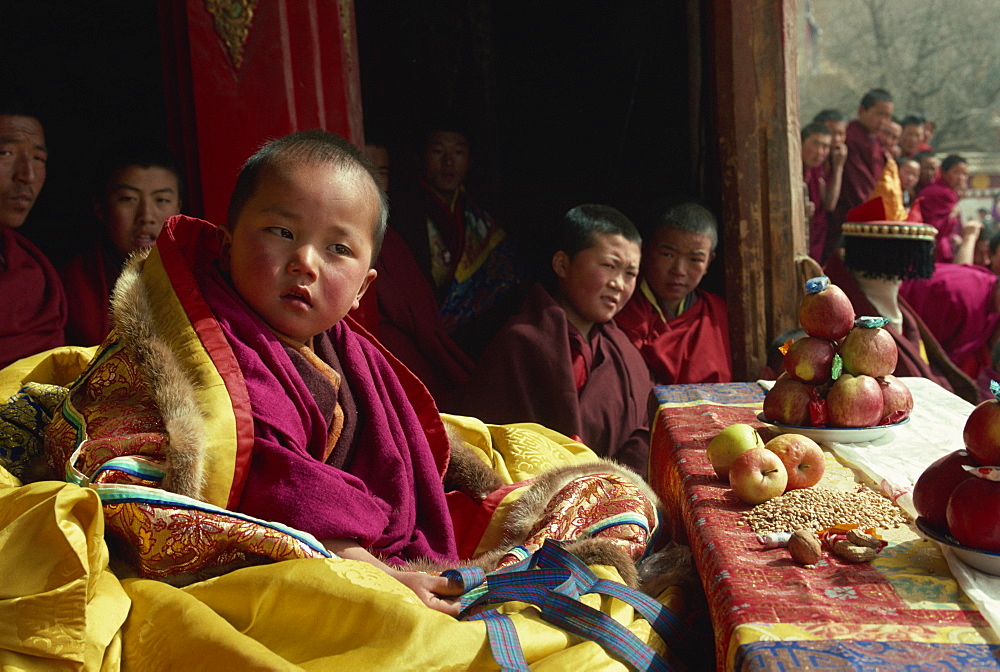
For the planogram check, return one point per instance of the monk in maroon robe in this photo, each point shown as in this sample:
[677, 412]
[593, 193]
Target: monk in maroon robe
[31, 296]
[939, 205]
[865, 162]
[33, 299]
[527, 375]
[959, 305]
[681, 331]
[562, 362]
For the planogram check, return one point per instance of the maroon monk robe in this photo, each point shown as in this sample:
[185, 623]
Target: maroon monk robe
[956, 304]
[815, 186]
[387, 494]
[690, 348]
[940, 369]
[526, 375]
[32, 299]
[864, 166]
[88, 278]
[937, 204]
[410, 325]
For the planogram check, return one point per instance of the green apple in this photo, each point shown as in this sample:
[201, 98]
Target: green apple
[729, 444]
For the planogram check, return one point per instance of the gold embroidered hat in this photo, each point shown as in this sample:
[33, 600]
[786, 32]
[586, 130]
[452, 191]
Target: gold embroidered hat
[880, 247]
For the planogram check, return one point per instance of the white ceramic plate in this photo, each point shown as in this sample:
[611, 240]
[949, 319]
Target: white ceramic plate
[833, 434]
[984, 561]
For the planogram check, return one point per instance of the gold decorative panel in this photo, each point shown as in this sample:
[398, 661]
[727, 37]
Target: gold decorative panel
[232, 24]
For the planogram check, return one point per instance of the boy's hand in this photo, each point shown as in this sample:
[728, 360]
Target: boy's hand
[838, 155]
[436, 592]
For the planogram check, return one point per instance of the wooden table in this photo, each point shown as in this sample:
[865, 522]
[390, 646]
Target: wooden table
[903, 611]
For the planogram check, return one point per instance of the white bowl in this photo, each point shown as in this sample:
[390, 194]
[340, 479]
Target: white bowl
[833, 434]
[984, 561]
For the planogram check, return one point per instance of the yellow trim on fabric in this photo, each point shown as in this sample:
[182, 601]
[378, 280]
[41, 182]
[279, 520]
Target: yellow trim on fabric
[59, 366]
[173, 326]
[647, 291]
[707, 402]
[651, 297]
[748, 633]
[923, 352]
[465, 269]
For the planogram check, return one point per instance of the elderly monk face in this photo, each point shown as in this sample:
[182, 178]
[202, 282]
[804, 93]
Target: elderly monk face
[674, 264]
[22, 167]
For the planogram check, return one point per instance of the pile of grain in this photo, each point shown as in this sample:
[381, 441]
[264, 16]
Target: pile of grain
[819, 508]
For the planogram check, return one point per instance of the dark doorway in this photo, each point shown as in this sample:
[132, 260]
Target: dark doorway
[570, 102]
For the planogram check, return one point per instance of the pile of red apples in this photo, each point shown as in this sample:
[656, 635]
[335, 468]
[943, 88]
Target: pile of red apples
[957, 494]
[810, 393]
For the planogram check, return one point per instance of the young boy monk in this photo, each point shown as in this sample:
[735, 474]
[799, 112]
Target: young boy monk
[561, 361]
[681, 331]
[234, 390]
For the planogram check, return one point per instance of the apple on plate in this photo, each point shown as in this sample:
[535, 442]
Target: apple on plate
[729, 444]
[982, 433]
[810, 359]
[972, 513]
[826, 314]
[803, 459]
[854, 401]
[869, 350]
[935, 484]
[897, 400]
[757, 476]
[788, 402]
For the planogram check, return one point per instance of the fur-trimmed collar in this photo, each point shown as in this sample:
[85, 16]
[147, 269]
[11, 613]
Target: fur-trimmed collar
[171, 389]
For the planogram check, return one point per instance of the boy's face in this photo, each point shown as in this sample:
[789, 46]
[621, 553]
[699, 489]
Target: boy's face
[136, 204]
[838, 132]
[876, 116]
[597, 282]
[957, 177]
[675, 263]
[929, 168]
[909, 174]
[815, 149]
[300, 251]
[446, 161]
[910, 138]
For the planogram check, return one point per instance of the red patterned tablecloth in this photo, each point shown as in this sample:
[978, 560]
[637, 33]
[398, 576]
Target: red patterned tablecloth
[902, 611]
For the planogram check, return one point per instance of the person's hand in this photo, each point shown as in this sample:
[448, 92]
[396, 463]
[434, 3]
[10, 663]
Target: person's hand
[971, 229]
[436, 592]
[810, 209]
[838, 155]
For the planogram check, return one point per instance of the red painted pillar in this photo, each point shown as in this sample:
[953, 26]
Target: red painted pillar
[240, 72]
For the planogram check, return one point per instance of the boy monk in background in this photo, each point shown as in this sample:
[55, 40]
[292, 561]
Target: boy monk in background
[681, 331]
[138, 189]
[234, 390]
[561, 361]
